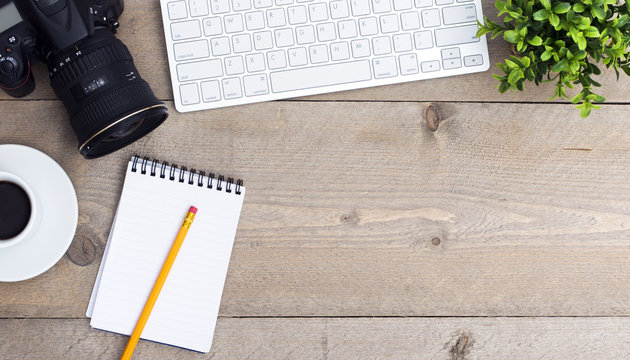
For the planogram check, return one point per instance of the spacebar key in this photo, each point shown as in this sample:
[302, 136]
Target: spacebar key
[318, 76]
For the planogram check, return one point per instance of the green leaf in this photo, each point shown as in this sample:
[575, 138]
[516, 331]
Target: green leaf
[511, 64]
[546, 4]
[598, 12]
[535, 41]
[503, 87]
[561, 8]
[579, 7]
[542, 14]
[511, 36]
[560, 66]
[515, 76]
[545, 56]
[581, 41]
[579, 97]
[554, 20]
[591, 32]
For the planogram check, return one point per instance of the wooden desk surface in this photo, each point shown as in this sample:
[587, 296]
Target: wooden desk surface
[435, 219]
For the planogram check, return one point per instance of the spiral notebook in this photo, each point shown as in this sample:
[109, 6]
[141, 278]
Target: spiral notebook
[154, 200]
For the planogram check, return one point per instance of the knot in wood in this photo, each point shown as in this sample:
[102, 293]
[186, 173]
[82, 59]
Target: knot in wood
[82, 251]
[432, 117]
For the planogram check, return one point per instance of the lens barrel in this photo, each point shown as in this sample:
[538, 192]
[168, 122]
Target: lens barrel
[109, 104]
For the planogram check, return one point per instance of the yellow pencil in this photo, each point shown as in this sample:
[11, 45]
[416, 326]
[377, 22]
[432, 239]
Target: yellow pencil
[168, 263]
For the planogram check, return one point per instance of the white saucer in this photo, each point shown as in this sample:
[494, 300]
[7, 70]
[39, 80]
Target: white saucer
[58, 213]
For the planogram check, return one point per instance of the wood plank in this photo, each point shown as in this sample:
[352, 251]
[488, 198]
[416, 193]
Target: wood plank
[339, 338]
[527, 208]
[141, 30]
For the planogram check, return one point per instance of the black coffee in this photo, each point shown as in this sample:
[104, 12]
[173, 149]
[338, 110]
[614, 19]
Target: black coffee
[15, 210]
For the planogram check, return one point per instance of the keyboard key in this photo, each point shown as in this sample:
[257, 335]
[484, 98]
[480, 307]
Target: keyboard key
[210, 91]
[450, 53]
[360, 48]
[473, 60]
[423, 40]
[262, 3]
[241, 5]
[262, 40]
[284, 2]
[219, 6]
[410, 20]
[456, 35]
[234, 65]
[177, 10]
[199, 70]
[297, 57]
[185, 30]
[319, 76]
[452, 63]
[385, 67]
[305, 34]
[220, 46]
[276, 60]
[232, 88]
[212, 26]
[430, 66]
[255, 62]
[191, 50]
[189, 94]
[430, 18]
[255, 20]
[459, 14]
[347, 29]
[443, 2]
[198, 8]
[408, 64]
[241, 43]
[389, 23]
[339, 9]
[297, 15]
[381, 6]
[339, 51]
[284, 37]
[381, 45]
[318, 11]
[402, 42]
[423, 3]
[368, 26]
[275, 18]
[233, 23]
[402, 5]
[326, 32]
[256, 84]
[360, 7]
[318, 53]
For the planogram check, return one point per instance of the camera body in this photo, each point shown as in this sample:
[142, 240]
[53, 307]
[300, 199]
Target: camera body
[91, 71]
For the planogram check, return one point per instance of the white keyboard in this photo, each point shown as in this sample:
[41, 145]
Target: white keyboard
[232, 52]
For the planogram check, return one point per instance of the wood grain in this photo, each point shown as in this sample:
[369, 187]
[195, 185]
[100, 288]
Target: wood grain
[345, 202]
[141, 30]
[345, 338]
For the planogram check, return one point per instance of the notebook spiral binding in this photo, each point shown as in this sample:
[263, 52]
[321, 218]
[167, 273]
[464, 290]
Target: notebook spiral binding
[175, 173]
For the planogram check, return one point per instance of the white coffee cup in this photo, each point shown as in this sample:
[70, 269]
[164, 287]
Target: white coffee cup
[26, 232]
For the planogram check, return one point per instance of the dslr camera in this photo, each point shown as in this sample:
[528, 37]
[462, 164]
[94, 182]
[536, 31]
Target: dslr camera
[91, 71]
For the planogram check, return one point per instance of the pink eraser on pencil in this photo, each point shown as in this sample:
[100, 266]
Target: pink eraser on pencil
[192, 210]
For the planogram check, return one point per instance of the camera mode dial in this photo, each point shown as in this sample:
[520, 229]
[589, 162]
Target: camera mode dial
[8, 65]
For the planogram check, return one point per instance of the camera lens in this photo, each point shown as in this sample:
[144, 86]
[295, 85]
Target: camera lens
[109, 104]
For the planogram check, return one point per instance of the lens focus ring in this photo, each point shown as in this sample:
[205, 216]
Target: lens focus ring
[90, 60]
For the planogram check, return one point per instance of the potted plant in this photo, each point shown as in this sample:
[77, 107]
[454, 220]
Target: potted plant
[562, 42]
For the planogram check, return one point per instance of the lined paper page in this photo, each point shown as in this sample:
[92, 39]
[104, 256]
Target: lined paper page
[150, 213]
